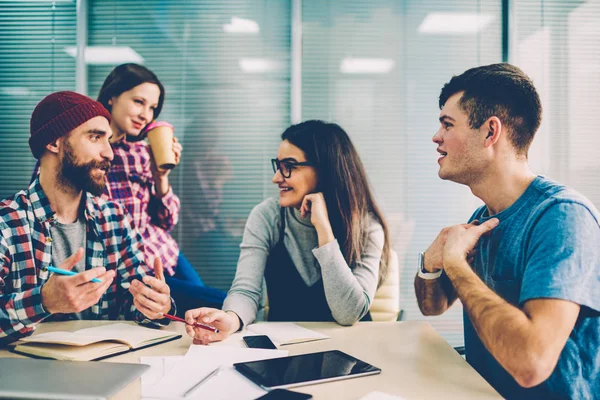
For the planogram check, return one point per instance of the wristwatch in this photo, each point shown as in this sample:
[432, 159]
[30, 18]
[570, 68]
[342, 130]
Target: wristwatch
[422, 272]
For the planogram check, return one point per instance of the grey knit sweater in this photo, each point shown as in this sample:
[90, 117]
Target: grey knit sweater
[348, 291]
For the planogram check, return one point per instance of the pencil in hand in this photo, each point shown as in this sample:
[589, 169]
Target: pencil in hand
[195, 324]
[68, 273]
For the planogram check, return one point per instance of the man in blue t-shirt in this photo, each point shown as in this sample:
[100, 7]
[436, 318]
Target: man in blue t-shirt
[527, 265]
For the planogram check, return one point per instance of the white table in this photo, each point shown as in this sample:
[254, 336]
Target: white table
[416, 362]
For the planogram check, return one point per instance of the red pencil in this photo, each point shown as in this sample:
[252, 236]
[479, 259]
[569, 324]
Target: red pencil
[196, 324]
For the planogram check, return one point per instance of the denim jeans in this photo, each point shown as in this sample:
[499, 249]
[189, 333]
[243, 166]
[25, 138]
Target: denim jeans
[189, 291]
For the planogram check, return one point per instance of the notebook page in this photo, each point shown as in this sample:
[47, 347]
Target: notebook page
[73, 353]
[282, 333]
[67, 338]
[133, 335]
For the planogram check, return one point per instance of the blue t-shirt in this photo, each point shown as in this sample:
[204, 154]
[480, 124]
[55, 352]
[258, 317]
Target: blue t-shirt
[547, 245]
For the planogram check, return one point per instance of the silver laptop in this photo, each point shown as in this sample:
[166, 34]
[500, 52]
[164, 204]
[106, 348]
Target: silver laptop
[23, 378]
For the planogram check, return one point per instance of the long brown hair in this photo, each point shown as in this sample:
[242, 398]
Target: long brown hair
[344, 184]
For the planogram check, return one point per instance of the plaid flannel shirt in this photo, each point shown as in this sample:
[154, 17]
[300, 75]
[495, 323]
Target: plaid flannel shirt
[130, 183]
[26, 251]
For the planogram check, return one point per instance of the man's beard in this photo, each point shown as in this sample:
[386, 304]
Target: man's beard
[79, 176]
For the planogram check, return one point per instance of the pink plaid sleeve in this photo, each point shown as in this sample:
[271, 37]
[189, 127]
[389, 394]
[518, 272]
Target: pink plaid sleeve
[164, 211]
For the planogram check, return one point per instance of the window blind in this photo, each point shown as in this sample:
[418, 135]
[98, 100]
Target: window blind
[374, 67]
[557, 43]
[377, 69]
[33, 63]
[225, 66]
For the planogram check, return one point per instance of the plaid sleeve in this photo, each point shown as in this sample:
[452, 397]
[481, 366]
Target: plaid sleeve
[133, 266]
[131, 263]
[164, 212]
[20, 311]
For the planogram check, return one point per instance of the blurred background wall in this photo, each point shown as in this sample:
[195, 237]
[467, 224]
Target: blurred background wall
[238, 72]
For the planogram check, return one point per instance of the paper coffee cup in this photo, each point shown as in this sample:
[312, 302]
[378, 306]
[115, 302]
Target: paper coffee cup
[160, 137]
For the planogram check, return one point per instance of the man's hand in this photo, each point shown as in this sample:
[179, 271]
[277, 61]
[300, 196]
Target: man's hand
[153, 301]
[71, 294]
[434, 255]
[462, 239]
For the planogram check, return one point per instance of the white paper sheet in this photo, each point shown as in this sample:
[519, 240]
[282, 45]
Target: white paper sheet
[199, 362]
[159, 367]
[228, 384]
[282, 333]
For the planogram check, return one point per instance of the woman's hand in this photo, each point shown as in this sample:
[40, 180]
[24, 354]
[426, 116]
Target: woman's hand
[314, 204]
[225, 322]
[161, 179]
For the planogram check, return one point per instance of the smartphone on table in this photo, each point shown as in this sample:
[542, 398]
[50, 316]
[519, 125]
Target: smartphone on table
[259, 342]
[283, 394]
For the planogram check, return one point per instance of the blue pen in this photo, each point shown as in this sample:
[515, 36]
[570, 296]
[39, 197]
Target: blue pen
[68, 273]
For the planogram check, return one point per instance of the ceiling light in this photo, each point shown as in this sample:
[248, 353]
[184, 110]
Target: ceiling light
[107, 55]
[16, 91]
[366, 65]
[241, 25]
[454, 23]
[258, 65]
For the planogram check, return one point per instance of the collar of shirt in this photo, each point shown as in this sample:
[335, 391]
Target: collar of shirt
[43, 211]
[121, 144]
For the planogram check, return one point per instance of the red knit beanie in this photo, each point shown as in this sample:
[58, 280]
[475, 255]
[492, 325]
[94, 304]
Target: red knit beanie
[58, 114]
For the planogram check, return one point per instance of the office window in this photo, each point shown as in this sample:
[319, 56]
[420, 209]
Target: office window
[377, 68]
[225, 68]
[558, 45]
[33, 63]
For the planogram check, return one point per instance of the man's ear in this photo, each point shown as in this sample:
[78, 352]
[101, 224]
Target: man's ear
[53, 147]
[492, 129]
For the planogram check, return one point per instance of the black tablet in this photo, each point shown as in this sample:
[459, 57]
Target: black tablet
[305, 369]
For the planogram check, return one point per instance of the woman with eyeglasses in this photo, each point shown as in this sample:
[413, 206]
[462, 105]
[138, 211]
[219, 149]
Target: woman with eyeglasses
[322, 247]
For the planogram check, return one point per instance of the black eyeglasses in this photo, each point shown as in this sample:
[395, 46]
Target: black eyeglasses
[286, 166]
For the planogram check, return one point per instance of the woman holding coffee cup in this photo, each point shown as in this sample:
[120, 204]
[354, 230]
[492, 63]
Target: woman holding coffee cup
[139, 177]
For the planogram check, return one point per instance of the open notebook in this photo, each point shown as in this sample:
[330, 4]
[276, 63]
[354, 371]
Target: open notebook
[93, 343]
[282, 333]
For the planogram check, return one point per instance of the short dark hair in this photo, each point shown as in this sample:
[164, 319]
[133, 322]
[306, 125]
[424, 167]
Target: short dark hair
[500, 90]
[125, 77]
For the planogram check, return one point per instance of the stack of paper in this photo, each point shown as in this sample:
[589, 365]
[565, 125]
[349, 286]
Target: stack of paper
[177, 377]
[181, 374]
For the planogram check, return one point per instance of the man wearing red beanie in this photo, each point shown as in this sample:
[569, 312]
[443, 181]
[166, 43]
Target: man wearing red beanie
[58, 216]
